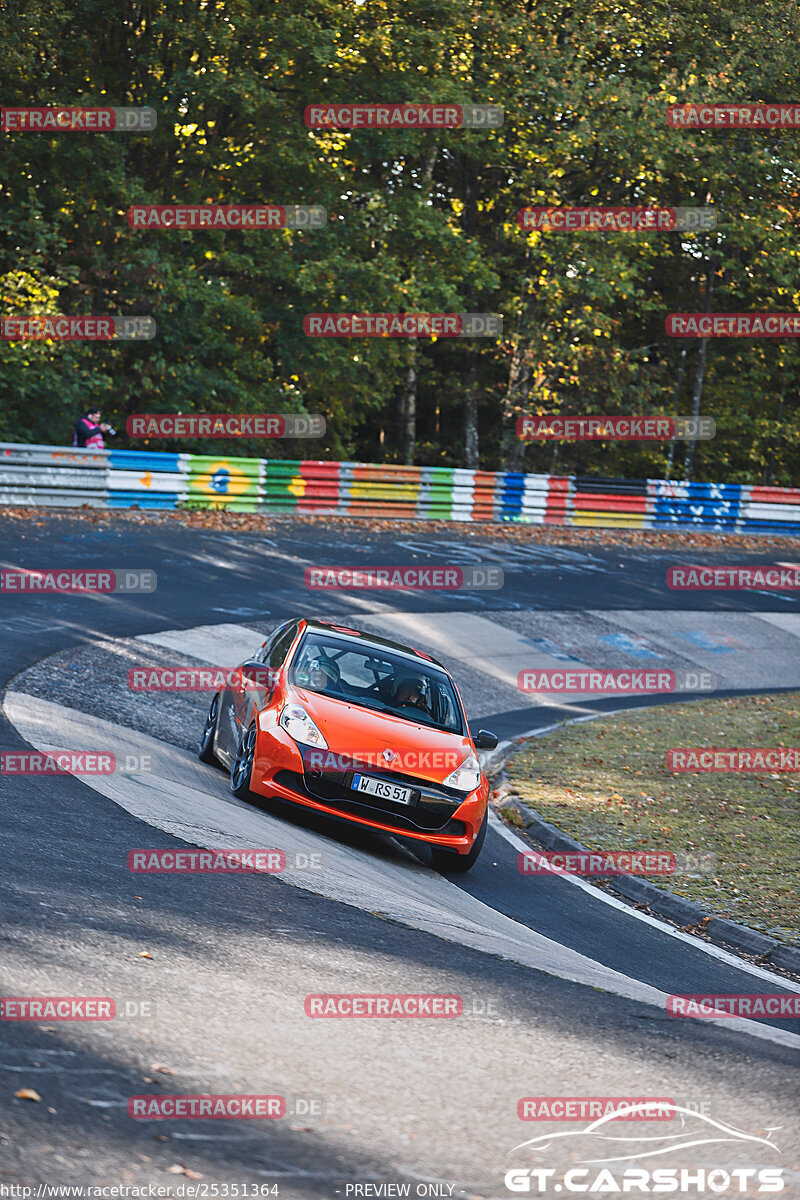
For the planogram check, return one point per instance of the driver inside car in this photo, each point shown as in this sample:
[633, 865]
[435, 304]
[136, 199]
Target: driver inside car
[323, 676]
[410, 693]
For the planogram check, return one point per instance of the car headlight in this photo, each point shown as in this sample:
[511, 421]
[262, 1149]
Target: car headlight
[466, 777]
[298, 724]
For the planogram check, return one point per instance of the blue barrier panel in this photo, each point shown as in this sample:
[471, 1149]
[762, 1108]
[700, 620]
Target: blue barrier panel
[144, 460]
[142, 500]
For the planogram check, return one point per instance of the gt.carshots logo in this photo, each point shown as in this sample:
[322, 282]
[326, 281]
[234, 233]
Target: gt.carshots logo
[68, 579]
[778, 578]
[54, 327]
[392, 1004]
[77, 119]
[399, 324]
[220, 1108]
[225, 425]
[565, 218]
[753, 759]
[404, 578]
[593, 862]
[403, 116]
[605, 1171]
[552, 427]
[627, 682]
[227, 216]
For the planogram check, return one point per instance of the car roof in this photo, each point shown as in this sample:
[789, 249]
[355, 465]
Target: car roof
[347, 634]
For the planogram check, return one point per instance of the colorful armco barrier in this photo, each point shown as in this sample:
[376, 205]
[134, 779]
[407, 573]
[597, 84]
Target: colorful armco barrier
[54, 476]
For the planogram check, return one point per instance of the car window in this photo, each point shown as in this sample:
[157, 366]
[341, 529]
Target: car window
[262, 653]
[372, 677]
[276, 654]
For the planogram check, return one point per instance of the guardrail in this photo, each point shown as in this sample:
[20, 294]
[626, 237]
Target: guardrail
[54, 476]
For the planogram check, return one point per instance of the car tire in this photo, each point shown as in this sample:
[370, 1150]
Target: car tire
[242, 769]
[205, 751]
[449, 862]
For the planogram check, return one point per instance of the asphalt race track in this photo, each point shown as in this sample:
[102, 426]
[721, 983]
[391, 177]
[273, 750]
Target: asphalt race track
[563, 986]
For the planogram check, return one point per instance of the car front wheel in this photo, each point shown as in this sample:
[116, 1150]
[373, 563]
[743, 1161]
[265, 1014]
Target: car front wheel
[205, 750]
[242, 769]
[449, 862]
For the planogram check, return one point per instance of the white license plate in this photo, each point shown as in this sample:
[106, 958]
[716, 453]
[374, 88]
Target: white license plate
[379, 787]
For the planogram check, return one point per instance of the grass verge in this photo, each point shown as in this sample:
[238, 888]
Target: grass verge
[606, 784]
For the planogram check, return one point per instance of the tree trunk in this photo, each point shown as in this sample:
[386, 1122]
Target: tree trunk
[513, 449]
[409, 405]
[469, 379]
[675, 403]
[699, 375]
[770, 463]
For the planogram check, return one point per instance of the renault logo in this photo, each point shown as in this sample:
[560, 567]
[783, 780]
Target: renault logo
[389, 755]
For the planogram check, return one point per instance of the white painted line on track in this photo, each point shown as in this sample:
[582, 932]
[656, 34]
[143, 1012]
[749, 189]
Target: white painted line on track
[718, 952]
[188, 801]
[788, 622]
[219, 645]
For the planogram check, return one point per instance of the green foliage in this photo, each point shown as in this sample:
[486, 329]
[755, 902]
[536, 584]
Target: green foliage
[417, 221]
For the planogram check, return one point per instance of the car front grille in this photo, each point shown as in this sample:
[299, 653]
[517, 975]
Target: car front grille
[430, 810]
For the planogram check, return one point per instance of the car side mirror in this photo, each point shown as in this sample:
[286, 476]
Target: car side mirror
[484, 740]
[257, 676]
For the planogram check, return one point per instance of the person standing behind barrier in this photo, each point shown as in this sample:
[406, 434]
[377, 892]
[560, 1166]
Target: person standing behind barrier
[89, 430]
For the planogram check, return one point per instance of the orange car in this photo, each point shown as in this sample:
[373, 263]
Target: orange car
[357, 727]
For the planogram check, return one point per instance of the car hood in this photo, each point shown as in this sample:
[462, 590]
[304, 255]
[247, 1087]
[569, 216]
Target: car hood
[362, 734]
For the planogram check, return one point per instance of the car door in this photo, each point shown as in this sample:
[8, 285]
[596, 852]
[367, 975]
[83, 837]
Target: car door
[236, 701]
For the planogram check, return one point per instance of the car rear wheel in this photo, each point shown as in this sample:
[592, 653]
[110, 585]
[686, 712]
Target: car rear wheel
[205, 751]
[242, 769]
[449, 862]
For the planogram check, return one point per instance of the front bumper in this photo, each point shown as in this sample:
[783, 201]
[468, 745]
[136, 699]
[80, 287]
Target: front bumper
[437, 815]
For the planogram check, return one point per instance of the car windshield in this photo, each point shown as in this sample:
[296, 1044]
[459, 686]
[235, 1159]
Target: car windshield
[372, 677]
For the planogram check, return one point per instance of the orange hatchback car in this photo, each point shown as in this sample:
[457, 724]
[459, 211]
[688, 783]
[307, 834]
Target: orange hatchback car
[356, 727]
